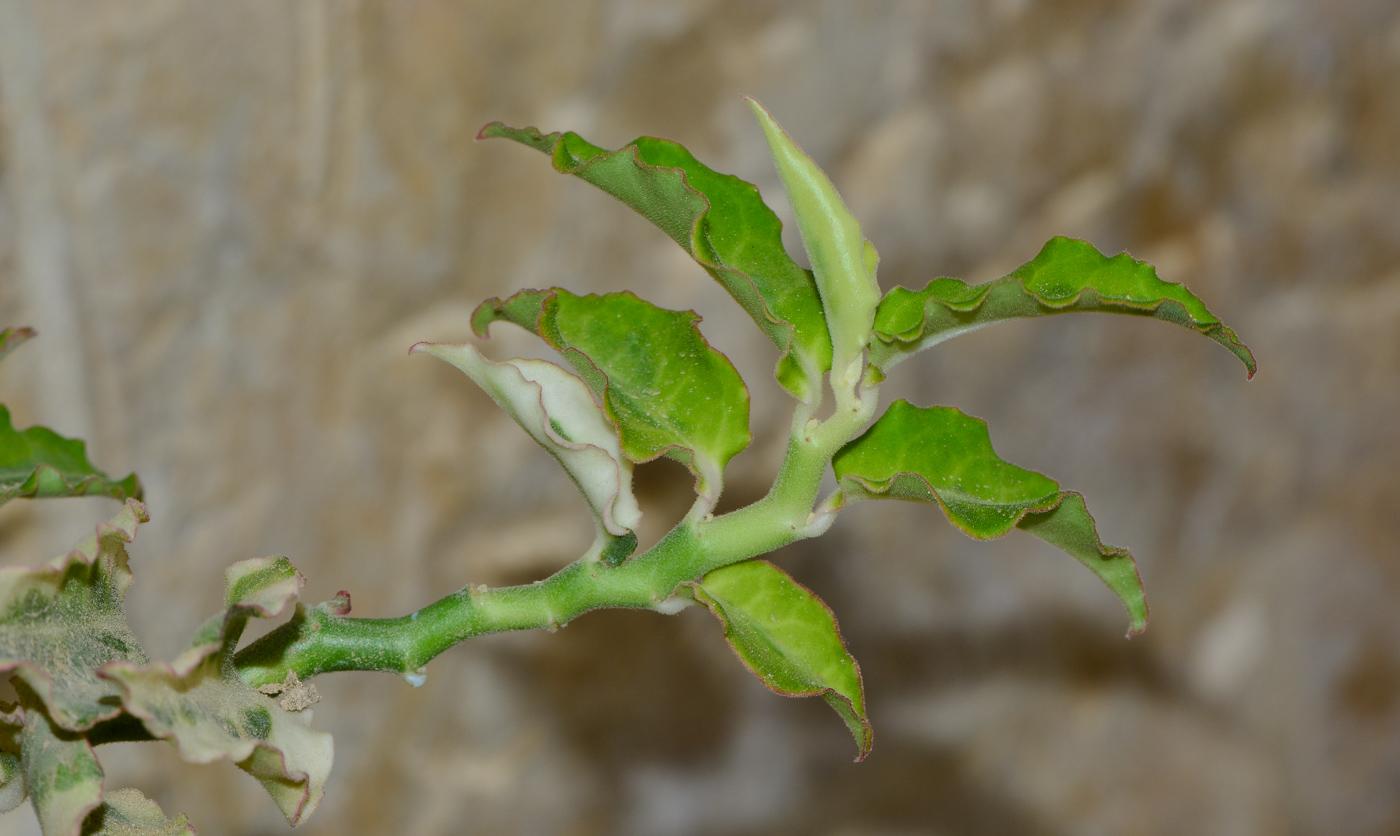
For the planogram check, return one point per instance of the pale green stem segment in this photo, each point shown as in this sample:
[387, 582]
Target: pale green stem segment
[319, 641]
[843, 262]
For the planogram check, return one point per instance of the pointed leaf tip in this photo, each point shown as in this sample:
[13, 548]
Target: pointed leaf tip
[1067, 276]
[940, 455]
[12, 338]
[842, 259]
[788, 637]
[722, 222]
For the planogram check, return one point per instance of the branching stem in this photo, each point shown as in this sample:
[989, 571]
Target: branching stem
[317, 641]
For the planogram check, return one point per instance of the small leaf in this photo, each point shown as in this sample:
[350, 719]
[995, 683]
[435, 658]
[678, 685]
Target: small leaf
[60, 770]
[939, 455]
[39, 462]
[843, 261]
[126, 812]
[722, 222]
[1067, 276]
[62, 621]
[10, 339]
[667, 391]
[788, 638]
[199, 701]
[557, 410]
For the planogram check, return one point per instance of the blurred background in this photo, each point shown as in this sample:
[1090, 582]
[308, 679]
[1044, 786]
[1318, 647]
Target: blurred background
[229, 221]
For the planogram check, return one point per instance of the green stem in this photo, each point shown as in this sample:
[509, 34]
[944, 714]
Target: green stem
[318, 641]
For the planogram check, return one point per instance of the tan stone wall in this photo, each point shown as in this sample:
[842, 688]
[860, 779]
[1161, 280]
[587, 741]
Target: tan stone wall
[229, 220]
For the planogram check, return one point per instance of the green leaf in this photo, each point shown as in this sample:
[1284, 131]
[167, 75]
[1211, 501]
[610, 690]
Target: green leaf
[39, 462]
[939, 455]
[199, 702]
[722, 222]
[557, 410]
[12, 788]
[842, 260]
[788, 638]
[1067, 276]
[61, 622]
[61, 771]
[1069, 528]
[126, 812]
[10, 339]
[667, 391]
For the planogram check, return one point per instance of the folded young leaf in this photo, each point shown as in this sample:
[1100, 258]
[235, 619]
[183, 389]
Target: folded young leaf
[1067, 276]
[788, 638]
[843, 261]
[667, 391]
[557, 410]
[62, 621]
[10, 338]
[940, 455]
[39, 462]
[126, 812]
[200, 703]
[60, 770]
[722, 222]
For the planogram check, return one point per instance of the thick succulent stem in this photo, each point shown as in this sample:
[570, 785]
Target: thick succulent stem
[319, 641]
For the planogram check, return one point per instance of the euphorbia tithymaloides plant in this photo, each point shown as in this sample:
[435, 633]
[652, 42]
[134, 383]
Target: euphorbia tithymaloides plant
[637, 382]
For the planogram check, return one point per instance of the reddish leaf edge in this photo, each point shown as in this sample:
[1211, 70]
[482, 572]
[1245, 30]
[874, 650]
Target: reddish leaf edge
[486, 313]
[124, 525]
[546, 143]
[831, 695]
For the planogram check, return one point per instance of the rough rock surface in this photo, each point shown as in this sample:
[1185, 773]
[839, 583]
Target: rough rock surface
[228, 222]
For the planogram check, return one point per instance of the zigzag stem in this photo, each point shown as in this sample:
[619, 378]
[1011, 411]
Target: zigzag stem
[317, 641]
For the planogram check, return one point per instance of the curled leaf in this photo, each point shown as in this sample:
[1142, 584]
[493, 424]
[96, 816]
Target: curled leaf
[667, 391]
[939, 455]
[200, 703]
[788, 638]
[60, 622]
[126, 812]
[1067, 276]
[10, 339]
[842, 260]
[722, 222]
[557, 410]
[39, 462]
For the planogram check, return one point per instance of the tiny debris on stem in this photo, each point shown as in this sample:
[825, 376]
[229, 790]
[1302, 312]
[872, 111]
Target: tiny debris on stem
[296, 695]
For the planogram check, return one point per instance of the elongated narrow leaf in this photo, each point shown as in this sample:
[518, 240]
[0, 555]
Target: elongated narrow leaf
[39, 462]
[557, 410]
[1067, 276]
[843, 261]
[1069, 528]
[722, 222]
[60, 770]
[788, 638]
[126, 812]
[939, 455]
[667, 391]
[199, 702]
[62, 621]
[10, 339]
